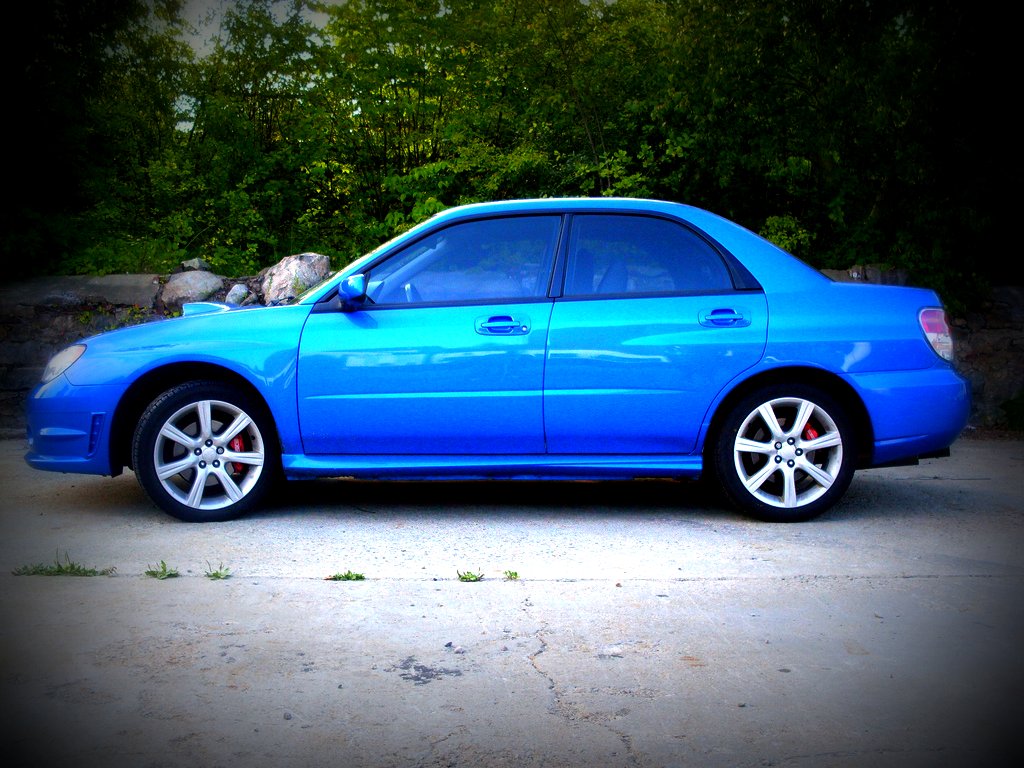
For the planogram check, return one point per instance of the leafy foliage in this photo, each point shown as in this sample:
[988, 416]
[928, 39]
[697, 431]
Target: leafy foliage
[219, 573]
[162, 572]
[847, 132]
[66, 568]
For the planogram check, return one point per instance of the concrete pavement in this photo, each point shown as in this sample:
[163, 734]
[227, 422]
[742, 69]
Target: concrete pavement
[649, 627]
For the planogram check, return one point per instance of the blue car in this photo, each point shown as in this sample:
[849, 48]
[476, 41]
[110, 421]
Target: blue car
[539, 339]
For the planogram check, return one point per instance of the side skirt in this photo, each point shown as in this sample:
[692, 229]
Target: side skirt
[542, 467]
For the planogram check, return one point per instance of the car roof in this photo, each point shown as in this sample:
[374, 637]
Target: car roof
[713, 224]
[566, 204]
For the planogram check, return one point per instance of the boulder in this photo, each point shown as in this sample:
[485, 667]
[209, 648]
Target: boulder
[184, 287]
[237, 295]
[293, 275]
[195, 265]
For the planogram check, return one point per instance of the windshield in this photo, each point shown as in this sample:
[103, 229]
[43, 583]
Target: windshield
[352, 267]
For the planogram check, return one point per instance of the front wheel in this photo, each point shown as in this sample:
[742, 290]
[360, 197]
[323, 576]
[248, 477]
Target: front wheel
[203, 452]
[785, 453]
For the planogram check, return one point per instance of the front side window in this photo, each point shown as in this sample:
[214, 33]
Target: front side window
[638, 255]
[477, 261]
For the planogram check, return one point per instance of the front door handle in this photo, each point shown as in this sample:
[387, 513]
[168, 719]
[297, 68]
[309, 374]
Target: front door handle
[724, 317]
[503, 325]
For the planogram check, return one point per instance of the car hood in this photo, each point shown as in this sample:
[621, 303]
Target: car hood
[248, 340]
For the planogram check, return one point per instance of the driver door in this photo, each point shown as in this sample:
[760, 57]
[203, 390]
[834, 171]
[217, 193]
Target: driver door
[447, 354]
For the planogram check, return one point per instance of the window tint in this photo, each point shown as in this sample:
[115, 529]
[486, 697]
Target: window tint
[492, 259]
[640, 255]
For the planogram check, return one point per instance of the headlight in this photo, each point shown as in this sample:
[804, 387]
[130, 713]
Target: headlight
[62, 361]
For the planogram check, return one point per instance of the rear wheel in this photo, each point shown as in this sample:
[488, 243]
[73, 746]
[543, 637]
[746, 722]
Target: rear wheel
[203, 452]
[785, 453]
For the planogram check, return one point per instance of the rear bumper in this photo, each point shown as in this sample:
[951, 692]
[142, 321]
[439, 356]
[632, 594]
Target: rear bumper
[914, 413]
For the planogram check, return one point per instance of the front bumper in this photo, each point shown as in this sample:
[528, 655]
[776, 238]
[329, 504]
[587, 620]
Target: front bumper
[69, 427]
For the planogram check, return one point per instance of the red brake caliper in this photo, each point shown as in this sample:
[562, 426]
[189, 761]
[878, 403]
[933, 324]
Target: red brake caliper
[237, 446]
[810, 432]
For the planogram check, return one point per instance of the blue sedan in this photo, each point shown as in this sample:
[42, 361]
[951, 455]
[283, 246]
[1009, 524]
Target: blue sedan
[559, 339]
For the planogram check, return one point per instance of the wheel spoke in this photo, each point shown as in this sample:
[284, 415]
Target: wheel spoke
[828, 440]
[771, 420]
[756, 480]
[790, 498]
[165, 471]
[204, 411]
[819, 475]
[803, 415]
[231, 489]
[175, 435]
[746, 445]
[195, 493]
[252, 458]
[241, 421]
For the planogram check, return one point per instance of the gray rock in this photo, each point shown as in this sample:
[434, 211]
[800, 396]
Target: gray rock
[189, 286]
[237, 294]
[293, 275]
[195, 265]
[75, 290]
[870, 273]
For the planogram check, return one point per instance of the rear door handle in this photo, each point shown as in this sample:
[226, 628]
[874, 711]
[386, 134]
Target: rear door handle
[724, 317]
[503, 325]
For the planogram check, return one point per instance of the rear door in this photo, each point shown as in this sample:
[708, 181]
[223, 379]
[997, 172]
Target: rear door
[650, 327]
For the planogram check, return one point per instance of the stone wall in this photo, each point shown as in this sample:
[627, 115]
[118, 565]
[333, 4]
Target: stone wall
[989, 345]
[39, 317]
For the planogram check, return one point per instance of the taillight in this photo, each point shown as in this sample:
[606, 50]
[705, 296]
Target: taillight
[936, 330]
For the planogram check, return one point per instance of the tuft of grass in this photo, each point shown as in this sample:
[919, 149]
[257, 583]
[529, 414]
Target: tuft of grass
[346, 576]
[512, 575]
[67, 568]
[470, 576]
[163, 572]
[218, 573]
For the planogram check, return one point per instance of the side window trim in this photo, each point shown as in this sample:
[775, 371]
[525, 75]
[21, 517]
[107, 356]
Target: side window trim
[557, 287]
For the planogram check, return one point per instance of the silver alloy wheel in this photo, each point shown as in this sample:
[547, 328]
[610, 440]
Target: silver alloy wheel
[788, 452]
[209, 454]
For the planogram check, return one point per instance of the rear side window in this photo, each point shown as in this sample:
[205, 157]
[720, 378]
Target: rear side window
[639, 255]
[485, 260]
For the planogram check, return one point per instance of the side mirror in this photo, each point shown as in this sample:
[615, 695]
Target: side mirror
[352, 292]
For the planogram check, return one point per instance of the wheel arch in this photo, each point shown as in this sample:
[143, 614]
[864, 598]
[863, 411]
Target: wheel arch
[150, 385]
[833, 385]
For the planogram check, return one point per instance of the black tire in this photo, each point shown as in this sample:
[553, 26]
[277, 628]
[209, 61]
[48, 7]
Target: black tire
[221, 442]
[785, 453]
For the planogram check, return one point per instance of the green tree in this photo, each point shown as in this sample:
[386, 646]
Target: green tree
[840, 126]
[247, 138]
[82, 120]
[848, 132]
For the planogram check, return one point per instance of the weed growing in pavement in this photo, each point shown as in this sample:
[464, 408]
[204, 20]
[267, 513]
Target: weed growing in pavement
[163, 572]
[470, 576]
[216, 574]
[512, 575]
[67, 568]
[346, 576]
